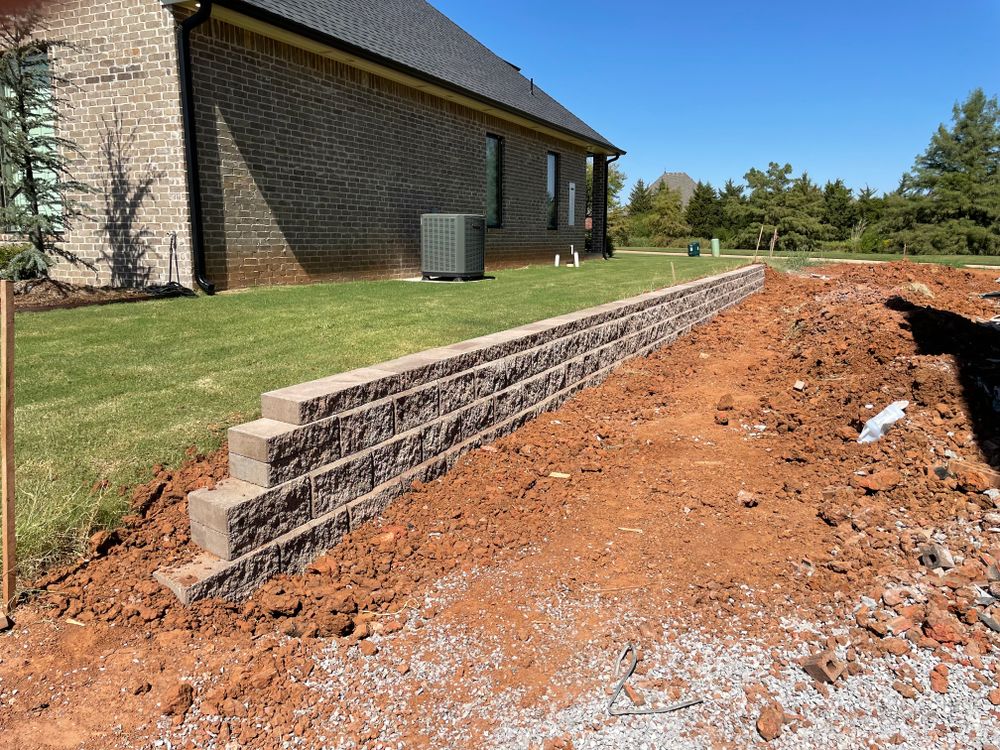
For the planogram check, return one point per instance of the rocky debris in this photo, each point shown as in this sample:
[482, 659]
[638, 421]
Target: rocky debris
[102, 541]
[178, 700]
[935, 556]
[770, 722]
[747, 499]
[824, 667]
[637, 698]
[939, 678]
[847, 555]
[726, 403]
[974, 477]
[880, 481]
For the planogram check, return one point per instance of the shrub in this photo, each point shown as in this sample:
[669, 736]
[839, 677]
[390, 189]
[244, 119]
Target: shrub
[19, 261]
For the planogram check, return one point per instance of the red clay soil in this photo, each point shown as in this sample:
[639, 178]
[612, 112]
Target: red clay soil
[699, 477]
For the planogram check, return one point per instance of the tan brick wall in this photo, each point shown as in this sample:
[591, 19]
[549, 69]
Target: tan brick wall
[314, 170]
[125, 116]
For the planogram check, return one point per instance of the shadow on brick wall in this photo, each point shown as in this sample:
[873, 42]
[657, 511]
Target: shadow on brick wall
[125, 189]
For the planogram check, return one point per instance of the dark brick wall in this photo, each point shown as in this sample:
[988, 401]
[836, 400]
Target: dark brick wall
[314, 170]
[599, 201]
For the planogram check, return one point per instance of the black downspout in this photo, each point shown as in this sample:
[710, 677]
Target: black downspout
[190, 141]
[604, 239]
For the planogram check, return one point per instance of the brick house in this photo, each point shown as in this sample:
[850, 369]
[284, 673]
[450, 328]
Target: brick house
[244, 142]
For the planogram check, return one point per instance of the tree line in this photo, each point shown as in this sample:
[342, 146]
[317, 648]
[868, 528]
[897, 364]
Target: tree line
[948, 203]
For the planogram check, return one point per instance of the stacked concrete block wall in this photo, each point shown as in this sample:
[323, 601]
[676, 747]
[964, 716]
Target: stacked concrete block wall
[315, 170]
[124, 113]
[331, 454]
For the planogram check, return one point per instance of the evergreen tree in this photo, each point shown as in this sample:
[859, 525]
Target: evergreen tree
[731, 200]
[869, 205]
[839, 210]
[640, 200]
[950, 201]
[704, 211]
[802, 226]
[792, 206]
[39, 200]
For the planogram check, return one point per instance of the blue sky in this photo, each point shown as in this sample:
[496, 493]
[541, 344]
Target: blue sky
[839, 89]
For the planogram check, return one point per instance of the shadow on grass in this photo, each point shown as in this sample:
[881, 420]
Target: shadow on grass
[976, 348]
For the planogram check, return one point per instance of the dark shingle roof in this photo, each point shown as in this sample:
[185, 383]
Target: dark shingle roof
[678, 181]
[415, 36]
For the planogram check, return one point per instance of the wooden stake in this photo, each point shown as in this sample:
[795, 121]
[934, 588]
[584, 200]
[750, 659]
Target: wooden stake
[759, 238]
[7, 443]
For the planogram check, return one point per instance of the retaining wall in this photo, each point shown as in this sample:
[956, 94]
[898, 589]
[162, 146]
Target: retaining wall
[331, 454]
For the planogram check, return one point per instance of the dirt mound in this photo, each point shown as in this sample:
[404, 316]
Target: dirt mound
[114, 583]
[636, 489]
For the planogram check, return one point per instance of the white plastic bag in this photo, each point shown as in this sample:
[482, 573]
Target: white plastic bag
[877, 426]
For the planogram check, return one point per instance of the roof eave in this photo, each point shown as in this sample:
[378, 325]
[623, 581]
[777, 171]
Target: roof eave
[276, 21]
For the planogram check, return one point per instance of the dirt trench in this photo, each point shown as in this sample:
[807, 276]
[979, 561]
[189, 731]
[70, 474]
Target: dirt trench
[709, 503]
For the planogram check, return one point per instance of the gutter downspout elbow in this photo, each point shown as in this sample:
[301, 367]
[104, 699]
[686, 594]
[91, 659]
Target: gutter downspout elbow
[188, 25]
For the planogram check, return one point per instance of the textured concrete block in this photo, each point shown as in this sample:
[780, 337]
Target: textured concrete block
[397, 456]
[415, 408]
[292, 449]
[440, 435]
[211, 540]
[336, 485]
[306, 543]
[236, 517]
[427, 471]
[208, 576]
[419, 368]
[373, 504]
[492, 378]
[362, 428]
[509, 402]
[318, 399]
[255, 472]
[477, 417]
[457, 391]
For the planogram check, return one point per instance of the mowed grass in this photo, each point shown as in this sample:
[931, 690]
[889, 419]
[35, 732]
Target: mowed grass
[947, 260]
[104, 393]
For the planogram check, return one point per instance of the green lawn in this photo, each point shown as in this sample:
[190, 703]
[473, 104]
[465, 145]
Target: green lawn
[106, 392]
[948, 260]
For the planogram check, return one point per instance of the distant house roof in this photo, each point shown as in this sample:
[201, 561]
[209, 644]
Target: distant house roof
[679, 181]
[415, 38]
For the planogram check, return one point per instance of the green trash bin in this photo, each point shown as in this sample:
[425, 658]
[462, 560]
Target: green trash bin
[694, 249]
[716, 249]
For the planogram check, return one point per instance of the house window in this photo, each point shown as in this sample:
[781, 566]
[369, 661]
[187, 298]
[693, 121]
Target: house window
[494, 180]
[552, 194]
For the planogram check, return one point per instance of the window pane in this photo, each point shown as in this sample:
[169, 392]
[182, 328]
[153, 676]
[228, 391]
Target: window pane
[550, 188]
[494, 175]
